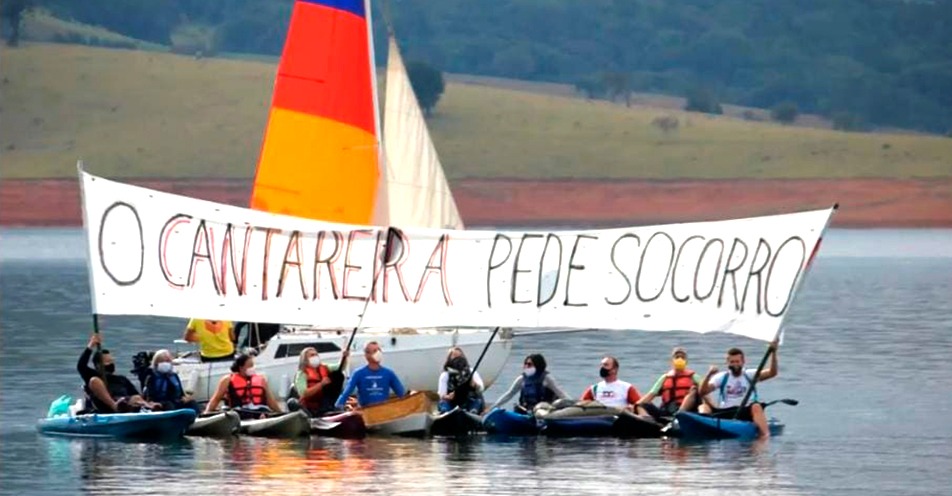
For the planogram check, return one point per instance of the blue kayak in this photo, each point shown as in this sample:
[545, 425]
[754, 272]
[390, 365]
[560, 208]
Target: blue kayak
[146, 425]
[505, 422]
[695, 426]
[595, 426]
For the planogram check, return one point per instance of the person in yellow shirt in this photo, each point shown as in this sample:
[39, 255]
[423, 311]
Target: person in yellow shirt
[215, 338]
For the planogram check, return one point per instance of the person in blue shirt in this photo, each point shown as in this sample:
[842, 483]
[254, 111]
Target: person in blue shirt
[373, 381]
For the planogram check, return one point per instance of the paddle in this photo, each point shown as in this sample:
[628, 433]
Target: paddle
[100, 368]
[785, 401]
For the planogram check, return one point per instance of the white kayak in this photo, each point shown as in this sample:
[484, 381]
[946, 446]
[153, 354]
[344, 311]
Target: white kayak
[293, 424]
[215, 425]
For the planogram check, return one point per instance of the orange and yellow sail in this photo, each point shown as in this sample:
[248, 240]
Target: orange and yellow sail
[321, 156]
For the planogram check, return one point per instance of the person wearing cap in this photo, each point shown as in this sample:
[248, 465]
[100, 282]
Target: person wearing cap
[673, 387]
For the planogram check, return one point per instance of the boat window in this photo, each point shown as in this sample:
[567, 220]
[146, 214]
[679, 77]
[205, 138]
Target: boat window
[295, 349]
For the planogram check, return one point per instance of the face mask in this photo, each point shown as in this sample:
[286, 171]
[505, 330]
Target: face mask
[250, 371]
[378, 356]
[164, 367]
[603, 372]
[110, 369]
[736, 370]
[314, 361]
[679, 363]
[529, 371]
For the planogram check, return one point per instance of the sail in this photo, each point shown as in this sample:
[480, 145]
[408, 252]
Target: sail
[320, 155]
[418, 194]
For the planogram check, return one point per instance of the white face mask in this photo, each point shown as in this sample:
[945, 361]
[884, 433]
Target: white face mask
[163, 367]
[529, 371]
[250, 371]
[378, 356]
[314, 361]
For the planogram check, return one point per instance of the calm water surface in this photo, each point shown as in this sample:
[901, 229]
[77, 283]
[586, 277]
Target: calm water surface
[866, 353]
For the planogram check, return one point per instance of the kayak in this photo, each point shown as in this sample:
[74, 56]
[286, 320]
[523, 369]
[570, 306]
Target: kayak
[348, 425]
[627, 425]
[586, 426]
[143, 425]
[215, 425]
[456, 422]
[406, 416]
[696, 426]
[509, 423]
[291, 424]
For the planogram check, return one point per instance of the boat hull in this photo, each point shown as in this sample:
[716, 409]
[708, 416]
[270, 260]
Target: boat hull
[508, 423]
[287, 425]
[631, 426]
[589, 426]
[147, 425]
[456, 422]
[696, 426]
[222, 424]
[410, 415]
[417, 359]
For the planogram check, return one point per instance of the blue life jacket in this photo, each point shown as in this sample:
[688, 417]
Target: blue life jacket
[164, 388]
[534, 391]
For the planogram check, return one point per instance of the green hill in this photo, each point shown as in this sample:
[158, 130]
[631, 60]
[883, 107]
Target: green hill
[133, 113]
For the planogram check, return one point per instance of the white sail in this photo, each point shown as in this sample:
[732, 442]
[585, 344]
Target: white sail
[417, 192]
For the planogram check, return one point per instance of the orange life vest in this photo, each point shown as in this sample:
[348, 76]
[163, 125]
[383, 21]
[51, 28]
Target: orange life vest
[676, 386]
[314, 376]
[242, 391]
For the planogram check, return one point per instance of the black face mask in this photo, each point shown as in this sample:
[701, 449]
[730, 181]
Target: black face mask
[603, 372]
[110, 369]
[736, 370]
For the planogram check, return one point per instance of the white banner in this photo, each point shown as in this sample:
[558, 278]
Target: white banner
[153, 253]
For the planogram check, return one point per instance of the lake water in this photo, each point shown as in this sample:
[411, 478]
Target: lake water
[866, 353]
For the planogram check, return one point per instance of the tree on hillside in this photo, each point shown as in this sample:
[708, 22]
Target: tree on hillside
[702, 99]
[12, 14]
[784, 112]
[590, 86]
[618, 84]
[428, 84]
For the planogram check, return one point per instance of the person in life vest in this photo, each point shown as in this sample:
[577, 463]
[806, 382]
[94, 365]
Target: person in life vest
[535, 385]
[316, 385]
[730, 387]
[673, 387]
[460, 386]
[215, 338]
[107, 392]
[372, 382]
[164, 387]
[611, 391]
[244, 390]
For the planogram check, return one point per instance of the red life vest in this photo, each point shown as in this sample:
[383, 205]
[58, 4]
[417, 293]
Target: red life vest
[676, 386]
[242, 391]
[314, 377]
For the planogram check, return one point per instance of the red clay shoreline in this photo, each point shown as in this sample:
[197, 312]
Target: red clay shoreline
[864, 203]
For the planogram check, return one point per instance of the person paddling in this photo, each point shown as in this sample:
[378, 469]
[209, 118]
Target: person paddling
[111, 392]
[611, 391]
[164, 386]
[673, 387]
[731, 387]
[458, 385]
[372, 382]
[535, 385]
[244, 391]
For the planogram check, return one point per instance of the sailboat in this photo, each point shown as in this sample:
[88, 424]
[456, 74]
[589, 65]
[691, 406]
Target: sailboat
[322, 158]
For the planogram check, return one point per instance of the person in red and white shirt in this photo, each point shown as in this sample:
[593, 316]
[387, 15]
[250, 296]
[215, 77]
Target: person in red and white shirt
[612, 392]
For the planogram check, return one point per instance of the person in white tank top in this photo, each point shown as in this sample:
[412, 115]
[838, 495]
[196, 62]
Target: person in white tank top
[612, 392]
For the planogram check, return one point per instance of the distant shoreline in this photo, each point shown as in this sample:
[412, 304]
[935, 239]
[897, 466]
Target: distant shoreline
[864, 203]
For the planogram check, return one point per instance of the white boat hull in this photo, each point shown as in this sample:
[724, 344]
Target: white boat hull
[417, 359]
[417, 424]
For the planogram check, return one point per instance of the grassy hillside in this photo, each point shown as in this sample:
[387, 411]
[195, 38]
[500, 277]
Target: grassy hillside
[134, 113]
